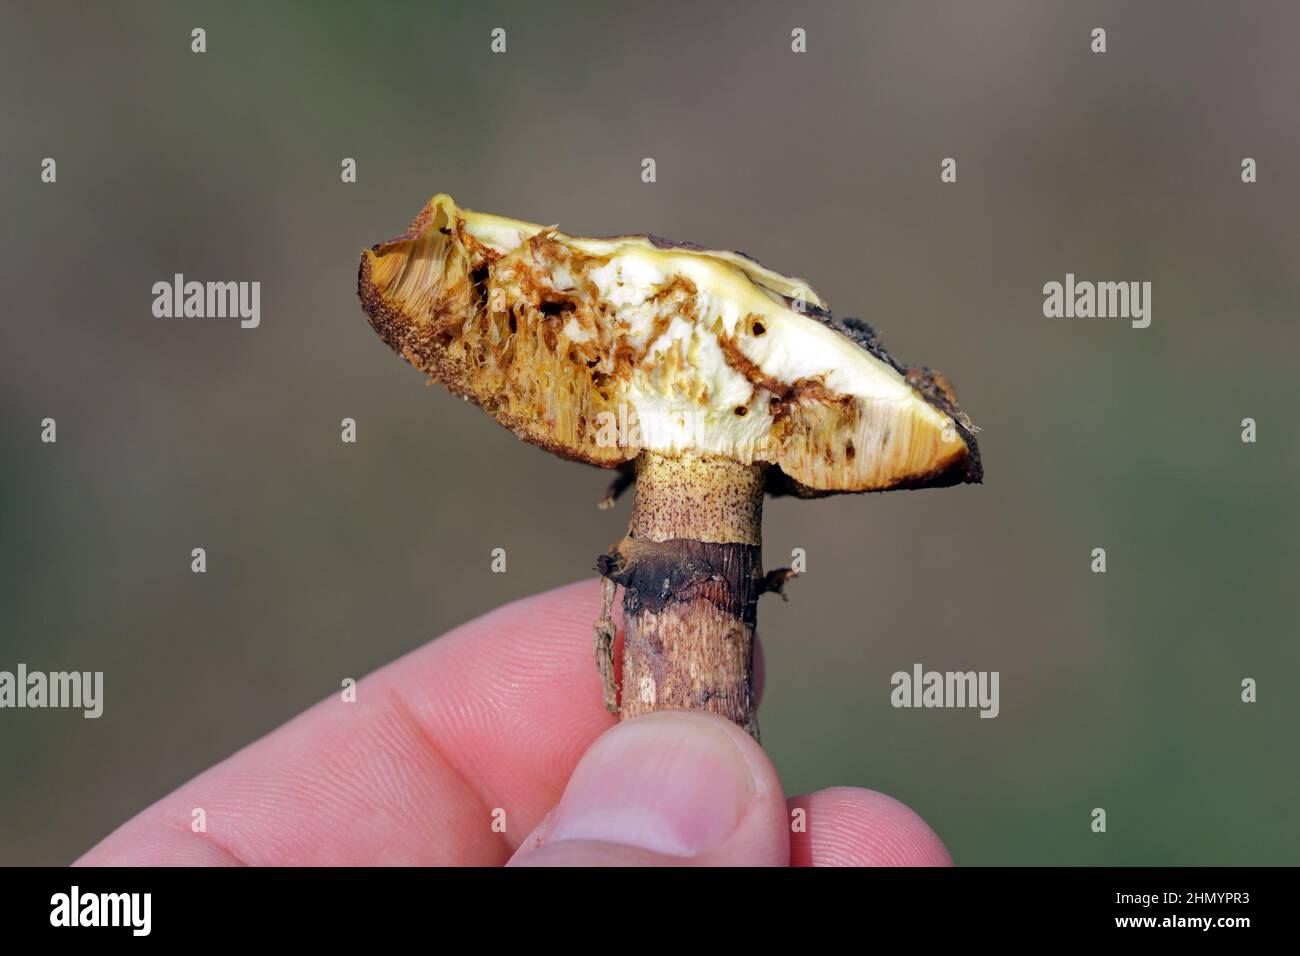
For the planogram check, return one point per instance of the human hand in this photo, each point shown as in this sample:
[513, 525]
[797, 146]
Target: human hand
[501, 720]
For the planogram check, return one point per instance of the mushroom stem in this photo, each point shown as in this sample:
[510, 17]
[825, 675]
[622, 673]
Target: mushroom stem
[691, 570]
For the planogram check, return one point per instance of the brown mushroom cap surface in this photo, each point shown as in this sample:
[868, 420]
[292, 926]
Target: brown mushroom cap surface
[599, 349]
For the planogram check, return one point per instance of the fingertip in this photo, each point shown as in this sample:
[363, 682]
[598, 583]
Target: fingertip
[678, 787]
[852, 826]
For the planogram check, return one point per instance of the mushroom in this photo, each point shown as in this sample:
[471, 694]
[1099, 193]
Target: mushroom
[699, 374]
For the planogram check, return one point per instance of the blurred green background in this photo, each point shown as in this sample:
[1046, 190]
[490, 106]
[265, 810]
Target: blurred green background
[326, 560]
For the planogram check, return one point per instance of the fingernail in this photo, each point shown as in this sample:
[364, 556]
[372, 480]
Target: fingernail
[672, 782]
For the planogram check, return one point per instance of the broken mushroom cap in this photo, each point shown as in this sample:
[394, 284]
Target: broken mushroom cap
[599, 349]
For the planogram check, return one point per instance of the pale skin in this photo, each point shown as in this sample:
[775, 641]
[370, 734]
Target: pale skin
[504, 714]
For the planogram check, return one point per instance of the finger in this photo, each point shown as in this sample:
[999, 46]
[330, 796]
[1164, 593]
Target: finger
[670, 788]
[449, 755]
[849, 826]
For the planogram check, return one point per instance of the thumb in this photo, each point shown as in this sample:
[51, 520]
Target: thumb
[670, 788]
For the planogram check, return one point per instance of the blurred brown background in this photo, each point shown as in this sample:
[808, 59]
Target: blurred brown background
[327, 560]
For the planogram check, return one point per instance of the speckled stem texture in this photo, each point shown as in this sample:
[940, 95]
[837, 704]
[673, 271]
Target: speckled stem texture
[691, 571]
